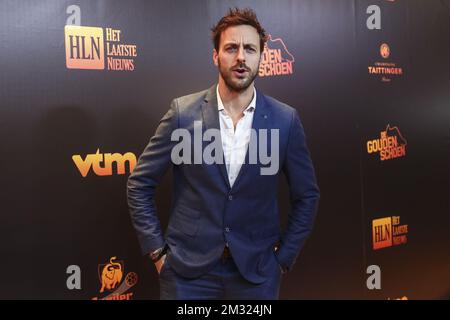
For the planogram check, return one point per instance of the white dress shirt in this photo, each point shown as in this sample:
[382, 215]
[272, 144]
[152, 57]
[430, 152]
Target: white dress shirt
[235, 142]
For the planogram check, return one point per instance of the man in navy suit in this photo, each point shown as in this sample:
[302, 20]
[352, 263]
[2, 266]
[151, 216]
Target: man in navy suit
[224, 240]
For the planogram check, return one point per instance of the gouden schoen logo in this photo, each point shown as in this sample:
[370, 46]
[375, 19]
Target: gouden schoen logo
[387, 232]
[102, 164]
[276, 60]
[95, 48]
[390, 145]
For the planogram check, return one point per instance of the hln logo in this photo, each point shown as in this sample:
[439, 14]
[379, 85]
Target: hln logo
[84, 47]
[382, 233]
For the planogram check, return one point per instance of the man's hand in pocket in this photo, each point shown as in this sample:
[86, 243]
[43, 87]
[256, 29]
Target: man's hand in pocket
[159, 264]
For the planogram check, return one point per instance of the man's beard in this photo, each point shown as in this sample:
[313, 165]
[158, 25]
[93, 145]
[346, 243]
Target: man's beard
[231, 83]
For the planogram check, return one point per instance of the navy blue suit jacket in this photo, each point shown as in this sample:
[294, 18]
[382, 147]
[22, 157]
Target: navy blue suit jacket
[206, 213]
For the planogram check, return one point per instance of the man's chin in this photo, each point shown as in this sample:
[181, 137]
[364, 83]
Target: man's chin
[239, 86]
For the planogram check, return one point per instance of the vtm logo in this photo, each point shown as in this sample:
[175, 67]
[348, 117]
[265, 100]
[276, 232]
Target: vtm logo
[390, 145]
[110, 276]
[387, 232]
[276, 59]
[95, 161]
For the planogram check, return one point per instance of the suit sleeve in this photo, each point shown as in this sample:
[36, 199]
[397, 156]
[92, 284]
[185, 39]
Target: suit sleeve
[304, 194]
[141, 186]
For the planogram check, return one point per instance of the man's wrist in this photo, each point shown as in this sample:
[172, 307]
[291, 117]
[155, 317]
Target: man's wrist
[158, 254]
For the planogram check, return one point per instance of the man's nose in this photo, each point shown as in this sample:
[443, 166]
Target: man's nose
[241, 54]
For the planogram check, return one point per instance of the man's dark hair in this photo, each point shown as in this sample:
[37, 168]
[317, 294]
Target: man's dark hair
[237, 17]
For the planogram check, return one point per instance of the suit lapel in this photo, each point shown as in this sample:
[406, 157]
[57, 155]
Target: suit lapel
[260, 121]
[210, 115]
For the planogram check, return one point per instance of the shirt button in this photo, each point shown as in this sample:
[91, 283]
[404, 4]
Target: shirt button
[230, 197]
[227, 229]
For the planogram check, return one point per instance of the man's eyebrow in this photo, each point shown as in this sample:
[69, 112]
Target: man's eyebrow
[230, 44]
[235, 44]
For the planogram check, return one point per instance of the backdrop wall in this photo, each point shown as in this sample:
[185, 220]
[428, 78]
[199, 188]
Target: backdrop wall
[85, 83]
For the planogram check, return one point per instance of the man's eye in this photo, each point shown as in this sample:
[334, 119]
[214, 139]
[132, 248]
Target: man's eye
[251, 50]
[230, 49]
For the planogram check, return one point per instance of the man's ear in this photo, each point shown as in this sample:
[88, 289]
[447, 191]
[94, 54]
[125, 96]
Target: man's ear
[215, 57]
